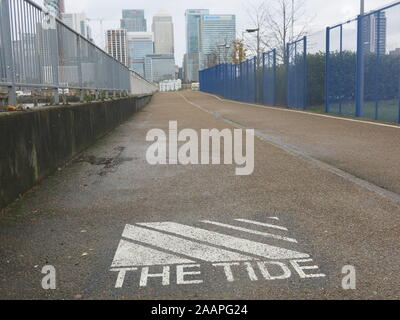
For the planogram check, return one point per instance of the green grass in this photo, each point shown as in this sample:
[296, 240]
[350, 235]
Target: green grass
[388, 110]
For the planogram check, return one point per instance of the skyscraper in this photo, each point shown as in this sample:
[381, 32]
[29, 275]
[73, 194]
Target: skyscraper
[193, 43]
[217, 35]
[193, 17]
[133, 21]
[79, 23]
[116, 44]
[160, 67]
[375, 33]
[140, 44]
[163, 29]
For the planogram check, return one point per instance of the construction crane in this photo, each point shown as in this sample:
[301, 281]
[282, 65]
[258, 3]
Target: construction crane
[101, 24]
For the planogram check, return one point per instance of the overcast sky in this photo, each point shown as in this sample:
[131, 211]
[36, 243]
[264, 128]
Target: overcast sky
[323, 12]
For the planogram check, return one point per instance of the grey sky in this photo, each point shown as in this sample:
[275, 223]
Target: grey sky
[325, 12]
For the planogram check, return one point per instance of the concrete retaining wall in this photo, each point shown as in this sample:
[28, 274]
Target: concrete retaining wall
[33, 144]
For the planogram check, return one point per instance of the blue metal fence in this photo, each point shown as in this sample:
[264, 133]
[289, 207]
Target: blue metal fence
[352, 69]
[269, 77]
[296, 64]
[341, 68]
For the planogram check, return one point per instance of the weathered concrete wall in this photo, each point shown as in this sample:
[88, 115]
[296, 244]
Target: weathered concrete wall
[33, 144]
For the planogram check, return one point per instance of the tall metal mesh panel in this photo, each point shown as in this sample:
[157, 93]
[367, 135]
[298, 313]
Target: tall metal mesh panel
[269, 78]
[341, 68]
[296, 65]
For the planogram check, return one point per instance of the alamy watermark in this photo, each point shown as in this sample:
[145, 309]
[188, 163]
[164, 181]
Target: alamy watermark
[185, 147]
[350, 278]
[49, 280]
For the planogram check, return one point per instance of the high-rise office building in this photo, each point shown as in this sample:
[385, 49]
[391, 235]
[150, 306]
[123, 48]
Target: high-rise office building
[375, 33]
[140, 44]
[79, 23]
[160, 67]
[133, 21]
[116, 44]
[163, 29]
[55, 7]
[217, 34]
[193, 18]
[193, 43]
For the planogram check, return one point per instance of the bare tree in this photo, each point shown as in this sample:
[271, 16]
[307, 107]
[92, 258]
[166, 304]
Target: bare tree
[280, 22]
[258, 14]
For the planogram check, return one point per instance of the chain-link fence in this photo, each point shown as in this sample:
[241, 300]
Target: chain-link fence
[351, 69]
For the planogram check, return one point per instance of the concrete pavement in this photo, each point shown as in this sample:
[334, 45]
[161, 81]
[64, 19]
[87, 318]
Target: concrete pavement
[109, 220]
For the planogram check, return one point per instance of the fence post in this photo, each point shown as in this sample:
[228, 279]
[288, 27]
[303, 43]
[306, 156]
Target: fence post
[287, 62]
[377, 65]
[55, 63]
[360, 68]
[305, 73]
[274, 78]
[5, 23]
[327, 69]
[79, 62]
[256, 85]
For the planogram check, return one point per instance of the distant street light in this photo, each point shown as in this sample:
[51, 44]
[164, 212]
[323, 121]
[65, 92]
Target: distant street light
[362, 7]
[258, 43]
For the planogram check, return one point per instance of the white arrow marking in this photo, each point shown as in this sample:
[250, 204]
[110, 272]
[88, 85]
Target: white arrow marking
[250, 247]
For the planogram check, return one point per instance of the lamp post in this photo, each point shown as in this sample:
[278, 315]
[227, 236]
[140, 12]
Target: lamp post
[258, 43]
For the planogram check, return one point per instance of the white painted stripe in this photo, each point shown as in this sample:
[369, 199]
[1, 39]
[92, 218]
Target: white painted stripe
[262, 224]
[131, 254]
[181, 246]
[305, 112]
[274, 218]
[259, 233]
[389, 195]
[226, 241]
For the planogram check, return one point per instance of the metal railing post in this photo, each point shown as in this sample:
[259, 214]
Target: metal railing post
[274, 78]
[5, 23]
[79, 63]
[327, 69]
[287, 62]
[305, 74]
[360, 68]
[55, 63]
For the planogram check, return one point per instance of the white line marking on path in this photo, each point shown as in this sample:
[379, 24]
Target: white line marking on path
[259, 233]
[305, 112]
[274, 218]
[218, 239]
[262, 224]
[181, 246]
[131, 254]
[389, 195]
